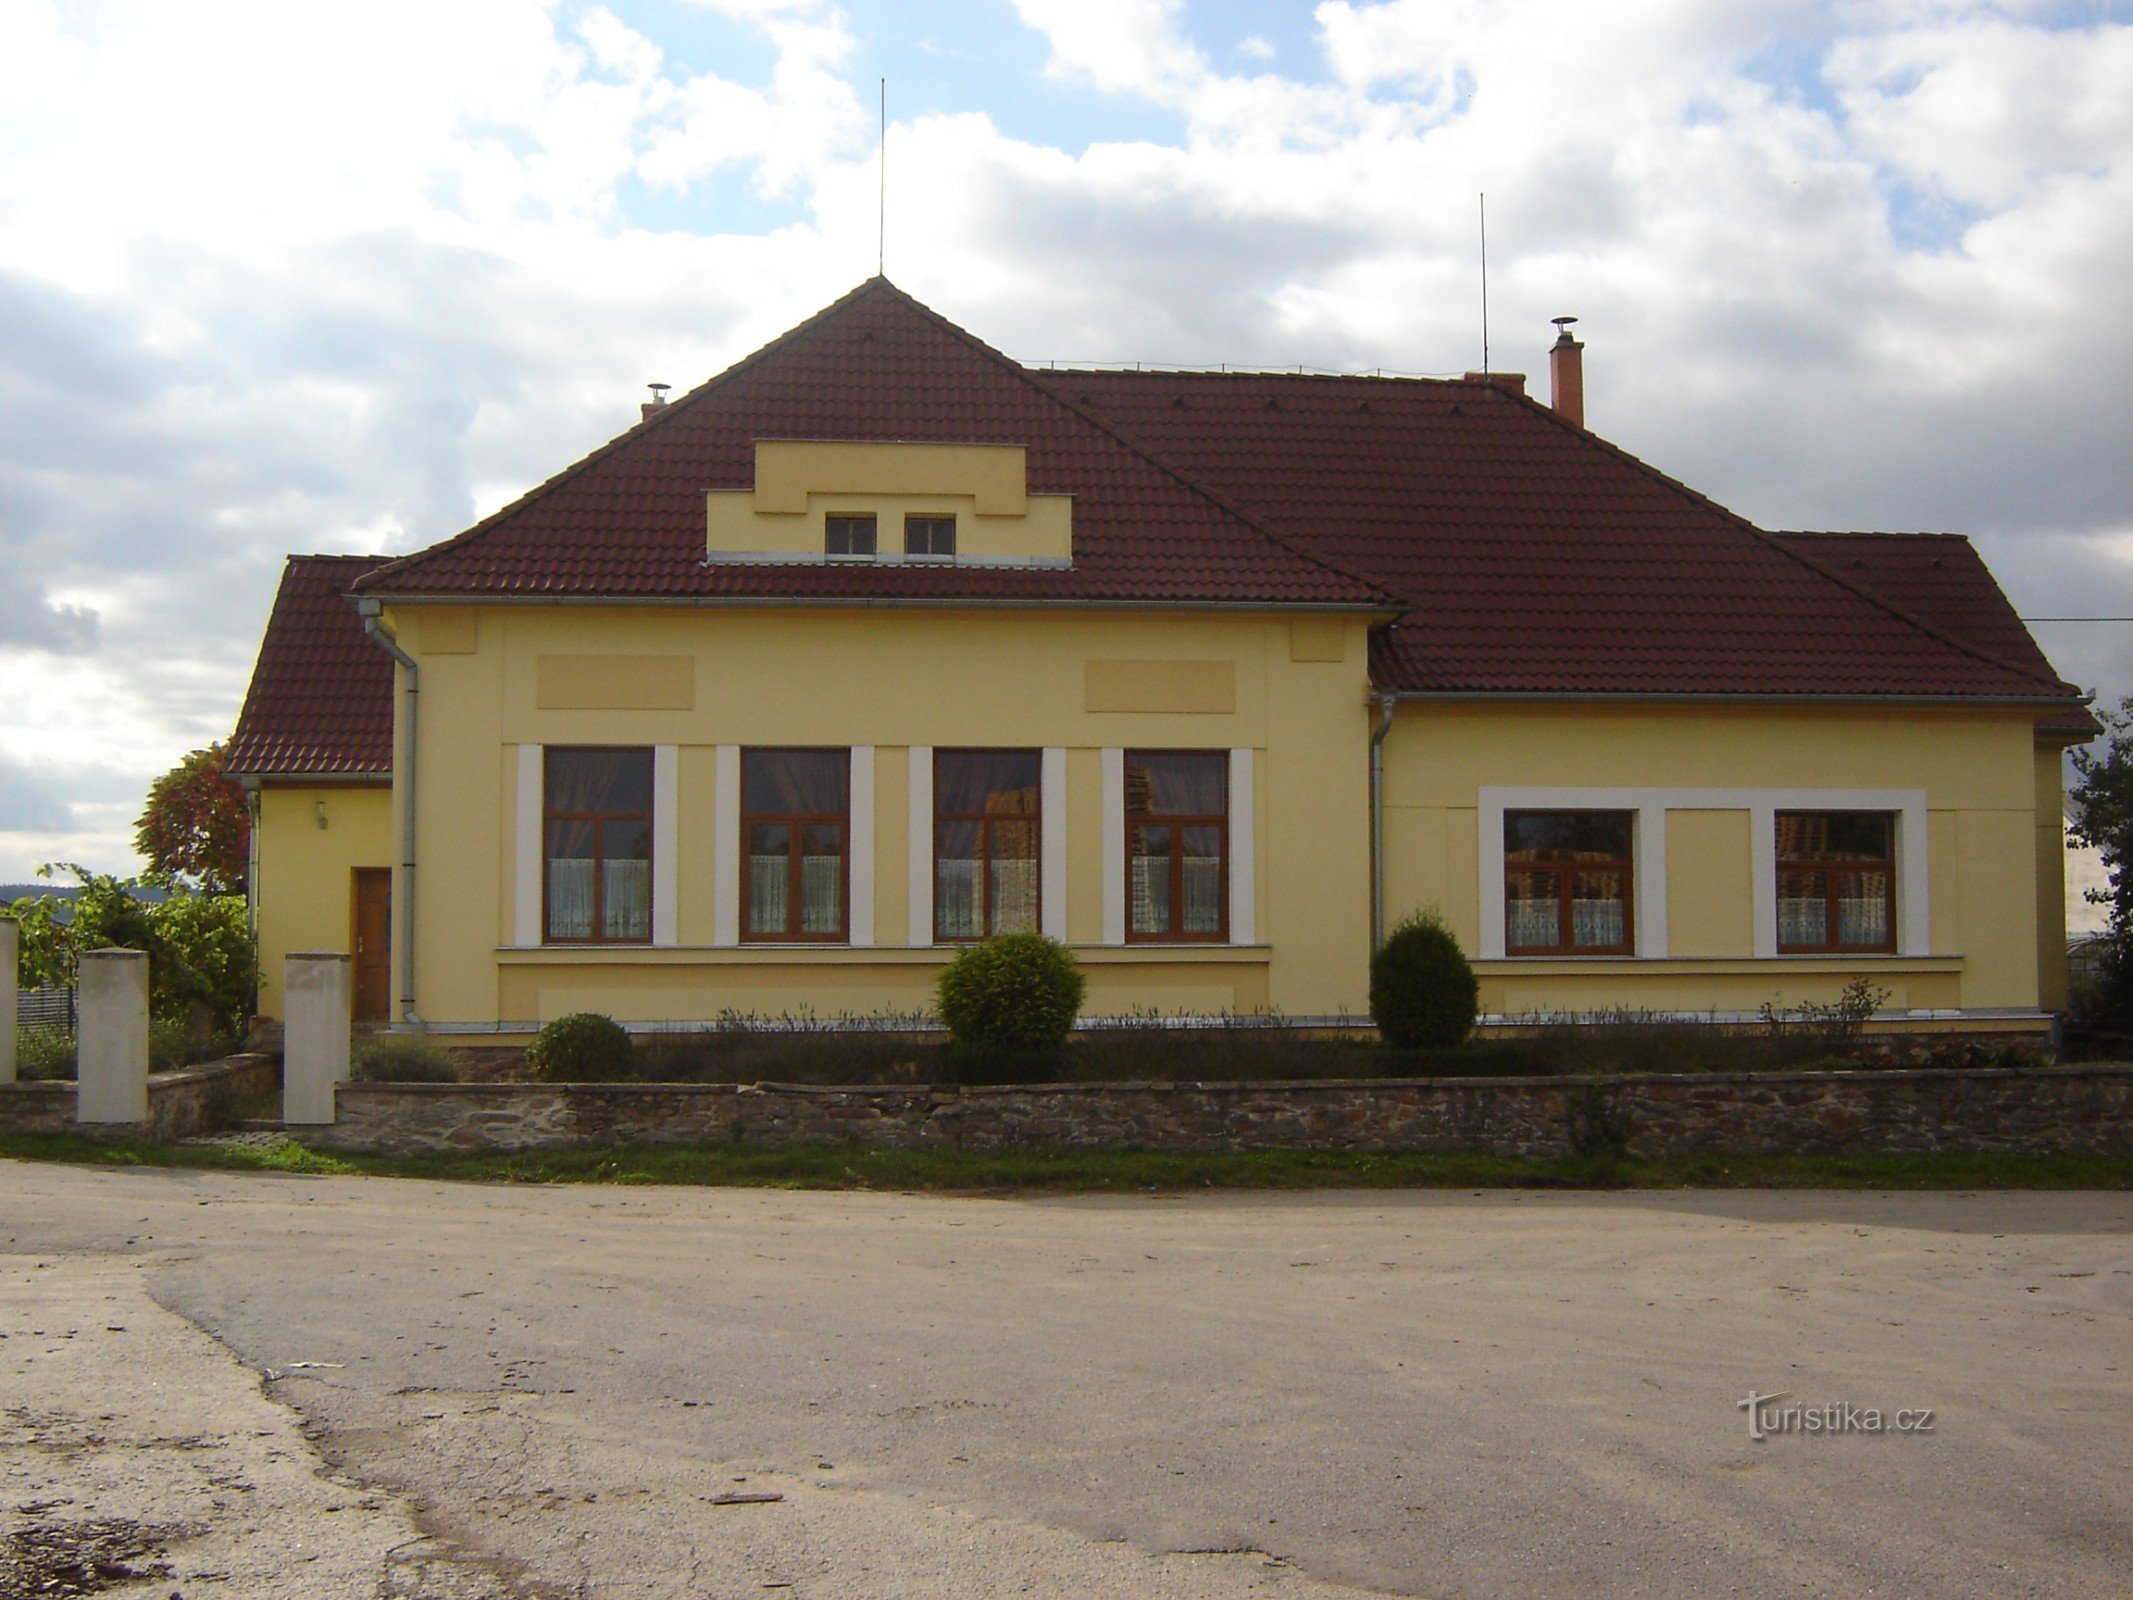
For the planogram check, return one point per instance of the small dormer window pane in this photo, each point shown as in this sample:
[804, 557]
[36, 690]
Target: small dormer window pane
[850, 536]
[929, 536]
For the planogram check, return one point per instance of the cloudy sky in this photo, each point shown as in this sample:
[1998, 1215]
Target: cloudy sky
[326, 276]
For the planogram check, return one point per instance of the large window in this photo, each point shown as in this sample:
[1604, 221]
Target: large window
[985, 842]
[1836, 875]
[1177, 845]
[1567, 882]
[795, 816]
[598, 816]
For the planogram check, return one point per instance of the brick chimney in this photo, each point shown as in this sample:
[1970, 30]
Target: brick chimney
[646, 409]
[1566, 373]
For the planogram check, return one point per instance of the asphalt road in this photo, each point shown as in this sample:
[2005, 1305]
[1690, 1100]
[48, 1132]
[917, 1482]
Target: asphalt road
[1302, 1396]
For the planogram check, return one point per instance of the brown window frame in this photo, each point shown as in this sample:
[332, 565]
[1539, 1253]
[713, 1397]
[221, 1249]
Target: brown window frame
[1566, 898]
[873, 523]
[1177, 823]
[550, 816]
[985, 820]
[797, 822]
[1832, 871]
[914, 519]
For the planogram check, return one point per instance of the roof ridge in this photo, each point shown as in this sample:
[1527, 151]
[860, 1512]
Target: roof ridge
[662, 414]
[1030, 377]
[1778, 543]
[1212, 496]
[878, 284]
[1865, 533]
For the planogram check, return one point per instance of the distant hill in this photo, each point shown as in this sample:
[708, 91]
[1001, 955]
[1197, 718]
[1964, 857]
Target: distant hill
[69, 891]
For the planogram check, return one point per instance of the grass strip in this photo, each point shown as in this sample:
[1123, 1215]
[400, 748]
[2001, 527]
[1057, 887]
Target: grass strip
[823, 1166]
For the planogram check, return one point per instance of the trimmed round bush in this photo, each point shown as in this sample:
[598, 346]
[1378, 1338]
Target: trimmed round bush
[403, 1058]
[1021, 991]
[1423, 995]
[583, 1047]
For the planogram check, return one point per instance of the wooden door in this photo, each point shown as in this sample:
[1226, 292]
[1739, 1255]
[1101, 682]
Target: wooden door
[373, 944]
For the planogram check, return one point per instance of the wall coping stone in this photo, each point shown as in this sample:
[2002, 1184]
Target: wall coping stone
[2115, 1069]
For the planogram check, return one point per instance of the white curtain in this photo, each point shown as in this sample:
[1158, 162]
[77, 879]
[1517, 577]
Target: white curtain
[626, 888]
[570, 898]
[821, 894]
[1203, 894]
[767, 893]
[1530, 923]
[1014, 888]
[955, 899]
[1596, 922]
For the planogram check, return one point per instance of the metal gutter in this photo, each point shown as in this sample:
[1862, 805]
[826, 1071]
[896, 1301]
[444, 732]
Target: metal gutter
[1614, 697]
[382, 637]
[863, 602]
[1377, 822]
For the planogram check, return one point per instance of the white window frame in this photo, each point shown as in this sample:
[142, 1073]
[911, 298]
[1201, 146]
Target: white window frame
[530, 812]
[1648, 888]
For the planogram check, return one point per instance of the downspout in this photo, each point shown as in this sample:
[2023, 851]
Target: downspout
[382, 637]
[1377, 822]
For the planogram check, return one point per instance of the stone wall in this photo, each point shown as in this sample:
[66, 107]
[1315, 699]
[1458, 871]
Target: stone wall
[2061, 1110]
[180, 1104]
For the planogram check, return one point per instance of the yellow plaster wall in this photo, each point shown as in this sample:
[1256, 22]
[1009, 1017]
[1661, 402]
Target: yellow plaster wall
[799, 482]
[1985, 840]
[1710, 884]
[893, 680]
[2051, 879]
[305, 886]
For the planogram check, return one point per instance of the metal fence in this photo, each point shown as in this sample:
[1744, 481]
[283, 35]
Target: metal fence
[45, 1008]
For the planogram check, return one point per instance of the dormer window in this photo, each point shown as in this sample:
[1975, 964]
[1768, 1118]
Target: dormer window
[852, 535]
[929, 536]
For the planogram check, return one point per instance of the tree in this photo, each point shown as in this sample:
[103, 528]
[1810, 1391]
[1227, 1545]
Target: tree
[2103, 819]
[197, 829]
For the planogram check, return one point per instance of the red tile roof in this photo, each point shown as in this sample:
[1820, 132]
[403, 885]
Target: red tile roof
[1523, 554]
[1942, 580]
[628, 520]
[1532, 556]
[321, 700]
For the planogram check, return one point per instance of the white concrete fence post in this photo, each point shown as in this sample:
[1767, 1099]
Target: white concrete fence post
[10, 952]
[316, 1014]
[111, 1048]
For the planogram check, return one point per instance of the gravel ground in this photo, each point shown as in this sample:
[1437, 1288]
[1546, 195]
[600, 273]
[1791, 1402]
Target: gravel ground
[1313, 1396]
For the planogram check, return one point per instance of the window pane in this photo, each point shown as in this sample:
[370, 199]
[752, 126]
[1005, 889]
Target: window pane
[769, 877]
[570, 879]
[1565, 835]
[1014, 877]
[1203, 880]
[794, 782]
[1835, 835]
[1190, 783]
[1863, 909]
[1149, 884]
[958, 881]
[1803, 908]
[985, 782]
[1533, 910]
[1598, 911]
[822, 878]
[599, 780]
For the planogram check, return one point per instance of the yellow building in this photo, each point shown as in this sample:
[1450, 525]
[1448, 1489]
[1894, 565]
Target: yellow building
[879, 643]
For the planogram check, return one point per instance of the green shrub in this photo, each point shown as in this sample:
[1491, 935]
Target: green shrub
[583, 1047]
[1423, 994]
[1019, 992]
[1497, 1058]
[403, 1058]
[44, 1053]
[999, 1063]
